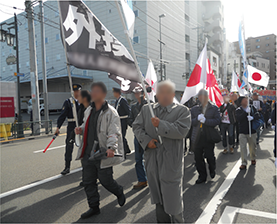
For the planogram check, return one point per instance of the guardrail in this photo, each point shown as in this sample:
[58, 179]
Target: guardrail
[24, 129]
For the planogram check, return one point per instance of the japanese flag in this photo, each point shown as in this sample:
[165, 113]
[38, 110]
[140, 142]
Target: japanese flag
[257, 77]
[151, 78]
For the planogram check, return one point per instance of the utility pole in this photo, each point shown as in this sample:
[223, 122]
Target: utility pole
[161, 43]
[43, 60]
[33, 69]
[20, 125]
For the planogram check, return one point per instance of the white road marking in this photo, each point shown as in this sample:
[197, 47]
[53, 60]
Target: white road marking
[229, 213]
[57, 147]
[211, 208]
[8, 193]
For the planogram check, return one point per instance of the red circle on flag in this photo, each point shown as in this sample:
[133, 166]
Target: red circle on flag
[256, 76]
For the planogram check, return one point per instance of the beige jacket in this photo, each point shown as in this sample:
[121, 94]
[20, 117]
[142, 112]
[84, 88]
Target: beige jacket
[108, 132]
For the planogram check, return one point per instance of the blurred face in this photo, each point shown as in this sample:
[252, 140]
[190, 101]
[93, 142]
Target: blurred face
[76, 94]
[165, 95]
[80, 99]
[138, 95]
[97, 94]
[116, 94]
[234, 97]
[255, 97]
[226, 99]
[203, 99]
[244, 102]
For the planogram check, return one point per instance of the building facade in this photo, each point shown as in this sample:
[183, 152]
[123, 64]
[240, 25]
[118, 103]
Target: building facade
[179, 49]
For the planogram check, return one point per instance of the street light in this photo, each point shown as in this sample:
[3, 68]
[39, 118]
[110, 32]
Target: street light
[2, 35]
[161, 54]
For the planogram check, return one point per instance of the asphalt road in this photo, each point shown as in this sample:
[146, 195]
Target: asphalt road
[233, 195]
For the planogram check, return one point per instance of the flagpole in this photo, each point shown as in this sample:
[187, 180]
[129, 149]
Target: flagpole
[77, 137]
[136, 62]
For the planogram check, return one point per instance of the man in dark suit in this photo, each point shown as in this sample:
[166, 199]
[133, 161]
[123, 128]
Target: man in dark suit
[123, 110]
[67, 112]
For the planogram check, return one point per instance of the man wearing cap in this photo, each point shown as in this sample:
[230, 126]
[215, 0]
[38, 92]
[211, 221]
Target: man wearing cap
[204, 117]
[67, 112]
[139, 152]
[123, 110]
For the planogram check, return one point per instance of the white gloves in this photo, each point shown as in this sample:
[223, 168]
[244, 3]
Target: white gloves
[201, 118]
[273, 127]
[269, 121]
[247, 110]
[250, 118]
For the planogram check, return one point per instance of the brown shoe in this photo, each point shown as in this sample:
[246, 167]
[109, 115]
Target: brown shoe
[140, 185]
[253, 162]
[231, 150]
[225, 151]
[242, 167]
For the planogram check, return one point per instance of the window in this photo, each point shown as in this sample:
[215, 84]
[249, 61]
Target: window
[136, 12]
[187, 38]
[258, 46]
[258, 40]
[254, 64]
[27, 46]
[134, 2]
[135, 31]
[187, 56]
[136, 39]
[58, 57]
[26, 25]
[214, 61]
[186, 17]
[267, 45]
[19, 65]
[46, 40]
[263, 65]
[4, 69]
[85, 72]
[110, 11]
[267, 52]
[267, 38]
[57, 36]
[248, 49]
[47, 59]
[3, 54]
[257, 64]
[27, 64]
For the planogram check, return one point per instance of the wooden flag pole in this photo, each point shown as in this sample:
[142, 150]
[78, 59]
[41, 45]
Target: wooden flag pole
[136, 63]
[74, 111]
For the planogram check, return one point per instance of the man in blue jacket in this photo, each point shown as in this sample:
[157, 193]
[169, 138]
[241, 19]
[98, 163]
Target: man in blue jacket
[204, 116]
[244, 114]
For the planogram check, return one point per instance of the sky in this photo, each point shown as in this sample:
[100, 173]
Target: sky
[260, 16]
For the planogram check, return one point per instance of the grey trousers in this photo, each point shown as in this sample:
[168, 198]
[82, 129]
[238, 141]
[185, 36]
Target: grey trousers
[163, 217]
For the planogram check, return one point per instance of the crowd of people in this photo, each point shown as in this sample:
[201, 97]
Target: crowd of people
[160, 141]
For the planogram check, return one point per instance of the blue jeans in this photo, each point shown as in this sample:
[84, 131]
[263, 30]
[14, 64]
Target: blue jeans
[230, 129]
[140, 169]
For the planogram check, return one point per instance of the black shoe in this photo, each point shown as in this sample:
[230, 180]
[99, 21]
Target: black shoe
[121, 199]
[65, 171]
[81, 184]
[200, 181]
[212, 174]
[90, 212]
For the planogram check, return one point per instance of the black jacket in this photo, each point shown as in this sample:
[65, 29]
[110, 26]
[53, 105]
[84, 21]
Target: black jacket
[122, 107]
[230, 110]
[212, 119]
[135, 109]
[242, 119]
[67, 113]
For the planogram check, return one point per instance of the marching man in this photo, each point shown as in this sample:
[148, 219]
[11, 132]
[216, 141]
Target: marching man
[67, 112]
[164, 162]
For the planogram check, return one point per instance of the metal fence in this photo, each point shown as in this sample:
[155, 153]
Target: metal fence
[24, 129]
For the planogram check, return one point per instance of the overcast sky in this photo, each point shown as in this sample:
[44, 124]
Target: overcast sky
[260, 16]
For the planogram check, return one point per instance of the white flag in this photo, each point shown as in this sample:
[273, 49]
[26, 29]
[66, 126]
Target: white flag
[236, 84]
[257, 77]
[129, 16]
[151, 78]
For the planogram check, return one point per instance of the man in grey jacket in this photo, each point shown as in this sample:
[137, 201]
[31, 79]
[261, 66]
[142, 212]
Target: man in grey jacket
[101, 129]
[164, 160]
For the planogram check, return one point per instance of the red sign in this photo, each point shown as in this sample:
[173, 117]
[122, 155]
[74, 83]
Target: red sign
[267, 94]
[6, 107]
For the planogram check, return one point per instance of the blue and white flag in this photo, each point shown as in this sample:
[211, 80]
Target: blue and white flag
[129, 14]
[243, 53]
